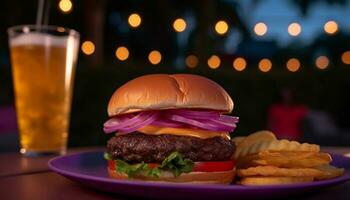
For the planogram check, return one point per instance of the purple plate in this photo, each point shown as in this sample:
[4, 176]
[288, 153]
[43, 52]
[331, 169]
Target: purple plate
[90, 169]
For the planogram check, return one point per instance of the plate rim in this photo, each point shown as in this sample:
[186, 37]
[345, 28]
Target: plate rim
[51, 164]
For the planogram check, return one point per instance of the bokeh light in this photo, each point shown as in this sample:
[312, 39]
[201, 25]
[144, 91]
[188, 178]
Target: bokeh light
[134, 20]
[331, 27]
[265, 65]
[260, 29]
[65, 6]
[179, 25]
[154, 57]
[214, 62]
[88, 47]
[191, 61]
[122, 53]
[345, 57]
[221, 27]
[239, 64]
[322, 62]
[294, 29]
[61, 29]
[293, 65]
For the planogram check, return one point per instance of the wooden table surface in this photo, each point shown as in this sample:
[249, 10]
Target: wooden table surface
[30, 178]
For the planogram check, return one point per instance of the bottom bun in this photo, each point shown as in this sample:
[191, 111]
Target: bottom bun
[225, 177]
[263, 180]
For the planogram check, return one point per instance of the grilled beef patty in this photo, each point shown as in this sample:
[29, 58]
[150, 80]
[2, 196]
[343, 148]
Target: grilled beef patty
[137, 147]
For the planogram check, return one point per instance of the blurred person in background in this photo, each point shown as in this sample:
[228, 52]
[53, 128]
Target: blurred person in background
[285, 117]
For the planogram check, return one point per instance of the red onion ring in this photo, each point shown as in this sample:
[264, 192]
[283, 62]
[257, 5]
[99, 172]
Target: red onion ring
[126, 124]
[192, 122]
[194, 114]
[121, 121]
[181, 118]
[150, 117]
[229, 119]
[167, 123]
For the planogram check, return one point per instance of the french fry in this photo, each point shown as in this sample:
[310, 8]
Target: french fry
[238, 140]
[266, 141]
[285, 159]
[261, 180]
[276, 171]
[329, 172]
[264, 160]
[244, 145]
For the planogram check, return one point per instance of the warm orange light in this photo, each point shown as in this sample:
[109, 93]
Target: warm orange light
[88, 47]
[134, 20]
[122, 53]
[239, 64]
[260, 29]
[65, 6]
[322, 62]
[192, 61]
[345, 57]
[294, 29]
[179, 25]
[293, 65]
[214, 62]
[154, 57]
[221, 27]
[265, 65]
[331, 27]
[61, 29]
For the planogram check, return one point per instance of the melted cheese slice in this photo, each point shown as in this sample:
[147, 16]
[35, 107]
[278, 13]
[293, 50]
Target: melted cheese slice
[155, 130]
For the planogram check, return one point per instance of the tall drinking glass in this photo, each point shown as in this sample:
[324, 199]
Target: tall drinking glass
[43, 62]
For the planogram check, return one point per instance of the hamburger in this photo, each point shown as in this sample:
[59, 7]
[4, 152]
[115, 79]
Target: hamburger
[171, 128]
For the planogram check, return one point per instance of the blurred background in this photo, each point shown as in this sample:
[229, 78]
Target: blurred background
[286, 64]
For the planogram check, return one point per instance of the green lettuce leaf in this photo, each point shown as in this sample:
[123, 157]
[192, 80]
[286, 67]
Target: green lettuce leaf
[177, 164]
[155, 172]
[174, 163]
[107, 156]
[130, 169]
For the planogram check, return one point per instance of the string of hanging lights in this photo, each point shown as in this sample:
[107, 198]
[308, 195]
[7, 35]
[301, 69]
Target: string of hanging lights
[221, 27]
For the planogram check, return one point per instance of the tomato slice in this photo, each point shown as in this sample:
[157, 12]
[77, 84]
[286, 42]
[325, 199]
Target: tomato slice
[152, 165]
[215, 166]
[111, 164]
